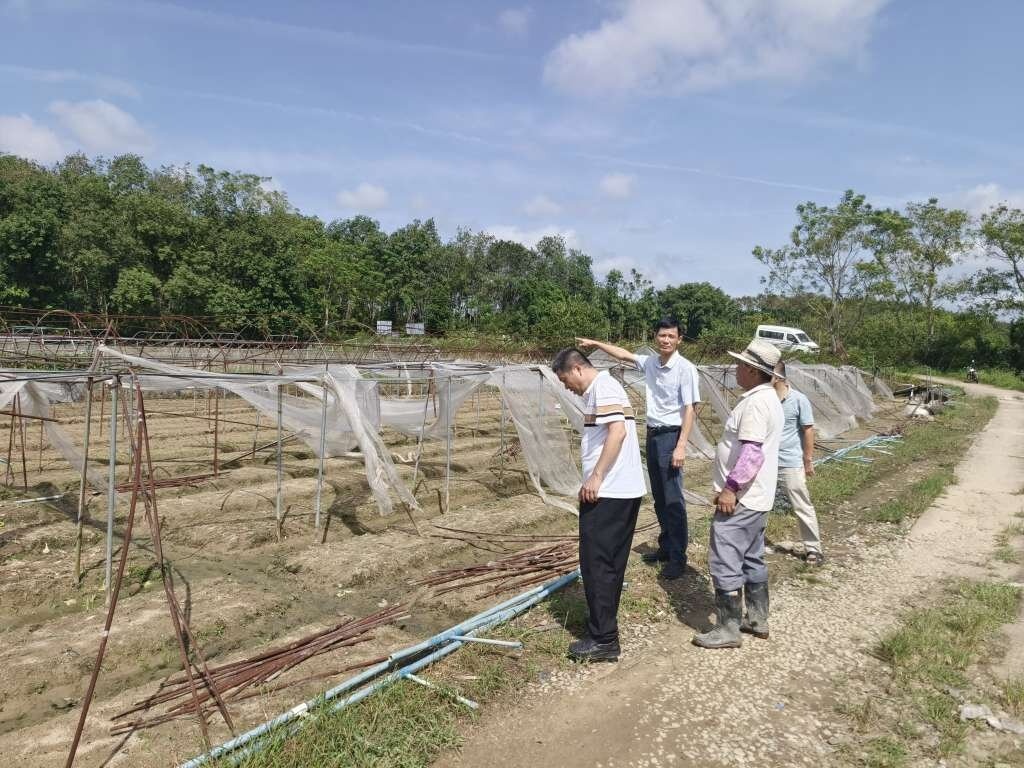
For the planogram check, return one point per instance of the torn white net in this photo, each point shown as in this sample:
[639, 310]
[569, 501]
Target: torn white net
[422, 401]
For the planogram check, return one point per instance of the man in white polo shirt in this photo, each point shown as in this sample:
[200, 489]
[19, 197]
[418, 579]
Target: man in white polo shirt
[613, 485]
[745, 473]
[672, 392]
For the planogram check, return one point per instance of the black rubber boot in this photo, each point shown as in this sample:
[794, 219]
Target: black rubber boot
[726, 634]
[756, 621]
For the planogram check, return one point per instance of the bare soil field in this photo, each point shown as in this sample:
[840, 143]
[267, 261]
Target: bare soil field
[242, 588]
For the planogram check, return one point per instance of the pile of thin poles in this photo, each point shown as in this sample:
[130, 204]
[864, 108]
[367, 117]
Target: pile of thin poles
[551, 555]
[249, 677]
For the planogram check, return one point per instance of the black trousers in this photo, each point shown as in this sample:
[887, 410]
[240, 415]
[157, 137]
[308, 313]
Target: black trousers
[606, 534]
[667, 490]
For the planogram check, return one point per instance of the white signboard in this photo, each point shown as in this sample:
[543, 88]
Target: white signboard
[415, 329]
[384, 327]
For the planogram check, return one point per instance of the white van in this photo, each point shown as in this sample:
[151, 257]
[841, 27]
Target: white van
[786, 338]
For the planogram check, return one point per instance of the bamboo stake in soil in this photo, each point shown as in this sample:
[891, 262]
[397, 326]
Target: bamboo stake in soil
[178, 618]
[83, 484]
[8, 468]
[111, 607]
[21, 430]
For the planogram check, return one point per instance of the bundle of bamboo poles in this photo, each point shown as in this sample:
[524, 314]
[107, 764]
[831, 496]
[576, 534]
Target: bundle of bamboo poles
[516, 571]
[168, 482]
[249, 677]
[551, 556]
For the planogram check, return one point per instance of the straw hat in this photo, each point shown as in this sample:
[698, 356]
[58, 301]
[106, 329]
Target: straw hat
[761, 355]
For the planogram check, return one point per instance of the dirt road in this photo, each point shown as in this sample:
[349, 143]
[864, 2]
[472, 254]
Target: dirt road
[770, 703]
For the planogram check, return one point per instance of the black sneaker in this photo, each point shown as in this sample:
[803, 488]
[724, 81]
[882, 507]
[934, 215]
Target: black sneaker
[659, 556]
[588, 649]
[672, 570]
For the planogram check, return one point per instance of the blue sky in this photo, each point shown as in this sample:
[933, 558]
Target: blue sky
[669, 135]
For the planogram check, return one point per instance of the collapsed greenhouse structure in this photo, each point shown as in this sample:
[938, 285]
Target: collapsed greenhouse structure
[386, 439]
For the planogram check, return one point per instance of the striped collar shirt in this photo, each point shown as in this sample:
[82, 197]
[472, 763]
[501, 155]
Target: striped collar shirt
[606, 402]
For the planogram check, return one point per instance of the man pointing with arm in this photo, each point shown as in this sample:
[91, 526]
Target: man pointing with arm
[672, 391]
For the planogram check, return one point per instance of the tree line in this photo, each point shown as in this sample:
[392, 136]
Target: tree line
[114, 236]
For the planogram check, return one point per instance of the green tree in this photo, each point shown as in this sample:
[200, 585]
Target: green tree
[917, 247]
[1002, 236]
[828, 257]
[697, 306]
[137, 292]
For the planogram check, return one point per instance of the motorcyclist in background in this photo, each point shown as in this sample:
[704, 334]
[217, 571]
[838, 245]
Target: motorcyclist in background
[972, 373]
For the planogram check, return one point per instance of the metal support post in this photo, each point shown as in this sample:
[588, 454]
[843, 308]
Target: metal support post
[279, 501]
[501, 399]
[111, 488]
[320, 465]
[448, 452]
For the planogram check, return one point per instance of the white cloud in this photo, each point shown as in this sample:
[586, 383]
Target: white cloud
[617, 186]
[980, 199]
[530, 237]
[541, 205]
[365, 197]
[271, 185]
[623, 264]
[515, 21]
[21, 135]
[99, 126]
[674, 46]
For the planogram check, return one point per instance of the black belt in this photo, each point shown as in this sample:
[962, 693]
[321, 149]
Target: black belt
[661, 430]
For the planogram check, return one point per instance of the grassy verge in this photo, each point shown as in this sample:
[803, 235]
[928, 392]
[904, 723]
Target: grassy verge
[406, 726]
[1002, 378]
[1005, 551]
[929, 655]
[914, 499]
[942, 442]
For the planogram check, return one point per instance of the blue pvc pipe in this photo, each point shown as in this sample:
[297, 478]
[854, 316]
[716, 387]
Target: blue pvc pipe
[482, 621]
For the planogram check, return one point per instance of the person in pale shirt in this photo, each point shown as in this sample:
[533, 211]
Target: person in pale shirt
[613, 485]
[796, 462]
[745, 474]
[672, 392]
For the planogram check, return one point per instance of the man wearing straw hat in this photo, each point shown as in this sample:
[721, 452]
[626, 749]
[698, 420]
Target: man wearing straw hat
[745, 474]
[613, 485]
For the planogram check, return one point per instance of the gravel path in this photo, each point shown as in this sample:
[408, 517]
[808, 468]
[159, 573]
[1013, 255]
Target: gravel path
[770, 703]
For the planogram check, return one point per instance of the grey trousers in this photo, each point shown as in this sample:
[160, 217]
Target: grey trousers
[794, 482]
[736, 556]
